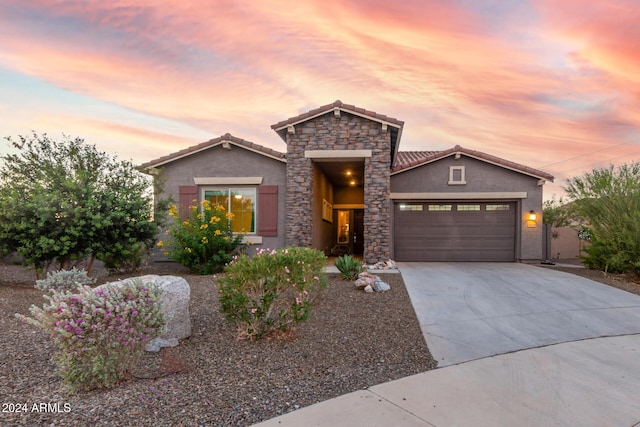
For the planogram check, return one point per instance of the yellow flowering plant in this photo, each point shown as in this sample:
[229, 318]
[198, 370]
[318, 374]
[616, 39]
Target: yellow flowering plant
[203, 241]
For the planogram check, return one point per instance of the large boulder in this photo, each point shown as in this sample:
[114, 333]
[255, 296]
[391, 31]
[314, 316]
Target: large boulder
[175, 299]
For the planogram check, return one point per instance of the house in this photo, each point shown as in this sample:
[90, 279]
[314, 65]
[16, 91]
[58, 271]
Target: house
[343, 185]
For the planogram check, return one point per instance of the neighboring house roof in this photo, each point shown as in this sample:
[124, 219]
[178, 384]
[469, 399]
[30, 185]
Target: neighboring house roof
[412, 159]
[394, 125]
[224, 139]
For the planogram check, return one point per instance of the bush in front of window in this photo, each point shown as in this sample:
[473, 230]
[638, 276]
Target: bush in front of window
[271, 290]
[204, 243]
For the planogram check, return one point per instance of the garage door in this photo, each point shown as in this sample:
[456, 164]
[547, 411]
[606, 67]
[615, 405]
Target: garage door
[455, 231]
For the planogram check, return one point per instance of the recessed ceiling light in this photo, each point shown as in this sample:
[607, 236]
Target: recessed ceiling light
[352, 182]
[349, 173]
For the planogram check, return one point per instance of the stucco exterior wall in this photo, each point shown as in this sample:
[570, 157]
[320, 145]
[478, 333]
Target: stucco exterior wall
[236, 162]
[565, 243]
[483, 177]
[348, 195]
[344, 132]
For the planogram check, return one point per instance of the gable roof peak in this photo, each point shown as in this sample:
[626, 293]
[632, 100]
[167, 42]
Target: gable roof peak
[410, 162]
[226, 138]
[337, 104]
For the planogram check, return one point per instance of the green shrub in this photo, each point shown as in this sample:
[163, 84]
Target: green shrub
[608, 200]
[125, 258]
[64, 280]
[271, 290]
[204, 243]
[349, 267]
[100, 333]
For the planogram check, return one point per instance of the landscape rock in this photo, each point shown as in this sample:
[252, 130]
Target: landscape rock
[361, 284]
[175, 298]
[368, 280]
[368, 289]
[156, 344]
[384, 265]
[380, 286]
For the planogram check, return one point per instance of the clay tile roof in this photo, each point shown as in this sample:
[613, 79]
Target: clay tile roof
[404, 158]
[418, 158]
[330, 107]
[227, 137]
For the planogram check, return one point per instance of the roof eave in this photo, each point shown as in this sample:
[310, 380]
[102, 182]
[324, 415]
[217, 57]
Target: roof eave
[206, 146]
[459, 151]
[278, 127]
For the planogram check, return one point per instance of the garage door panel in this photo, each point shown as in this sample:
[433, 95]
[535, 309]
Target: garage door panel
[469, 231]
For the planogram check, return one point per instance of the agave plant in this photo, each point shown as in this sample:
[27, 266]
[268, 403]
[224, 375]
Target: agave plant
[348, 266]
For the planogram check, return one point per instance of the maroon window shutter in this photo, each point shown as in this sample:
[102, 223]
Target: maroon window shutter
[188, 195]
[268, 210]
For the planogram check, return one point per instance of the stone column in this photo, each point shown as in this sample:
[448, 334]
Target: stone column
[299, 197]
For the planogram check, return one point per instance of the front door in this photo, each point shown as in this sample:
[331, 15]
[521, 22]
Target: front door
[358, 231]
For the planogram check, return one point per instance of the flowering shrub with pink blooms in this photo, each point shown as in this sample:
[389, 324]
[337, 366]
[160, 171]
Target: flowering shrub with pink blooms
[272, 289]
[100, 333]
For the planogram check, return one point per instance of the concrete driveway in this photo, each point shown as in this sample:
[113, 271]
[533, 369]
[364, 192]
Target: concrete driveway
[468, 311]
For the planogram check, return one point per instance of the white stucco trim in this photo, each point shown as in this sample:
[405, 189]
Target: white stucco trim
[228, 180]
[452, 170]
[254, 240]
[332, 155]
[460, 196]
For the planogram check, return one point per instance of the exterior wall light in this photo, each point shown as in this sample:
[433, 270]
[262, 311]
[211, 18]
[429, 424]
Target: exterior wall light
[531, 219]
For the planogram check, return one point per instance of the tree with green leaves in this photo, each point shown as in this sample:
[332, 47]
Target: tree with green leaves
[556, 213]
[608, 201]
[64, 201]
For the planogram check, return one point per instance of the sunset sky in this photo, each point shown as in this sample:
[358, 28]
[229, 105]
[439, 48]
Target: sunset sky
[551, 84]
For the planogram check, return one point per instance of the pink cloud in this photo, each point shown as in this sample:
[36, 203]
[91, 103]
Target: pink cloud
[536, 90]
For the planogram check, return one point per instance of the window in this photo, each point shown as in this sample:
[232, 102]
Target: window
[241, 202]
[491, 208]
[439, 208]
[343, 227]
[411, 207]
[468, 208]
[456, 175]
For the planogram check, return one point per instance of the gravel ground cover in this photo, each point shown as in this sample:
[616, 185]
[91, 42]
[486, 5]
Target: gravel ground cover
[627, 282]
[352, 341]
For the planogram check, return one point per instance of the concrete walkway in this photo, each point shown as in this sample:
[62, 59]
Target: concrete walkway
[475, 313]
[468, 311]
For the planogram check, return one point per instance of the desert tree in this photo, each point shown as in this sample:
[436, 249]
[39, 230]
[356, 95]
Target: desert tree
[62, 201]
[608, 201]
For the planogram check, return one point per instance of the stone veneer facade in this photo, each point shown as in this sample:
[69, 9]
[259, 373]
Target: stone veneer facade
[343, 132]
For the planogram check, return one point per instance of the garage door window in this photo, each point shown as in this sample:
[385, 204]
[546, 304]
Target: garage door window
[439, 208]
[411, 207]
[491, 208]
[469, 208]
